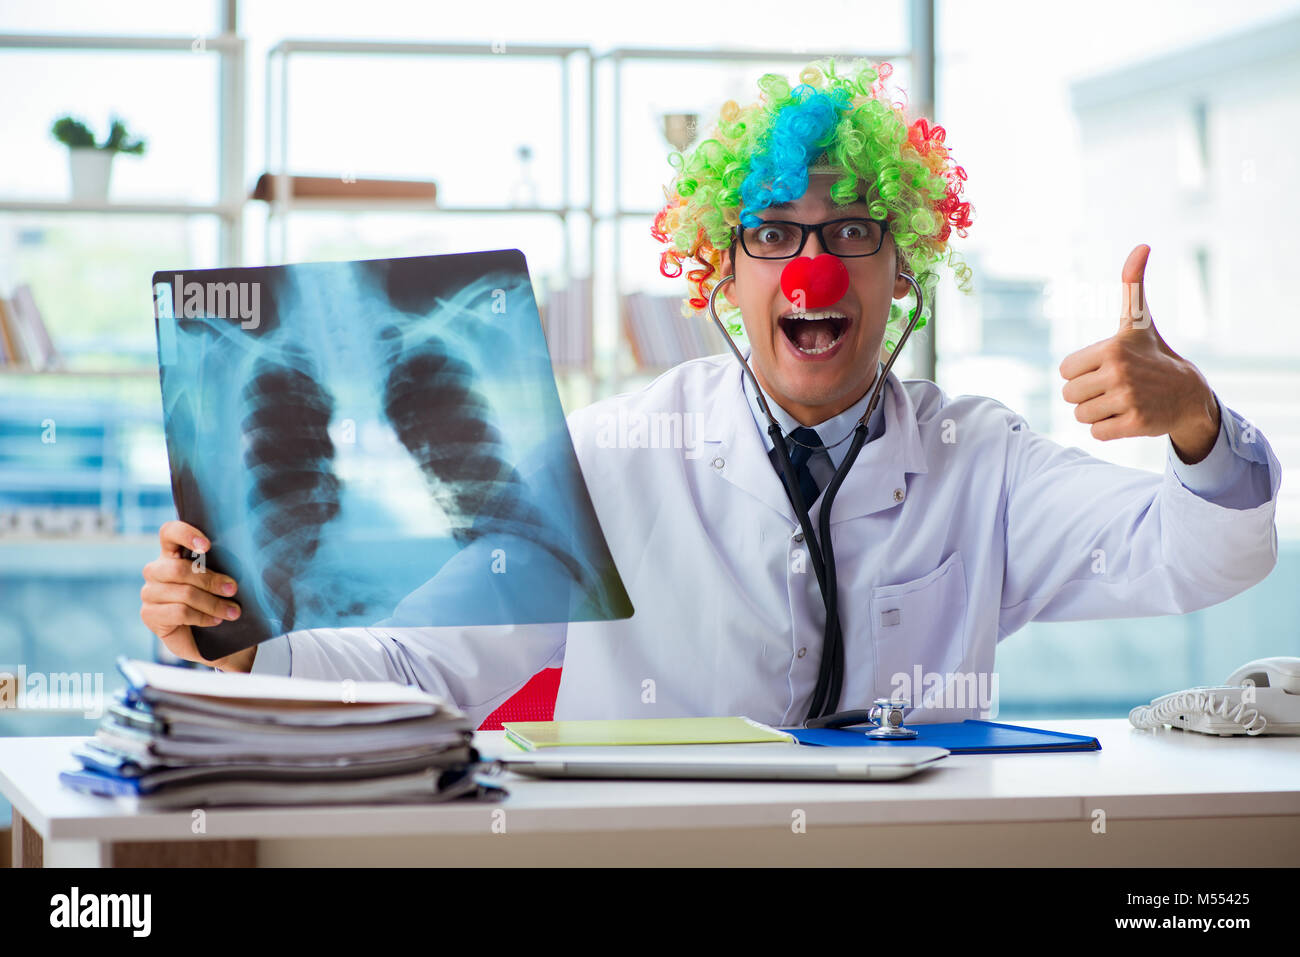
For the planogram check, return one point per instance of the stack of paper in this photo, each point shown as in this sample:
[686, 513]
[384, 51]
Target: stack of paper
[179, 737]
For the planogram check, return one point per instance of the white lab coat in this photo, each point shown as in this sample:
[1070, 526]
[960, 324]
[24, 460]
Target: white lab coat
[951, 531]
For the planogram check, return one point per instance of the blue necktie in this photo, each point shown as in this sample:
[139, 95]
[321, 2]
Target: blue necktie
[799, 456]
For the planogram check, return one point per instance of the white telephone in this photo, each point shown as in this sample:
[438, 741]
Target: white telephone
[1260, 697]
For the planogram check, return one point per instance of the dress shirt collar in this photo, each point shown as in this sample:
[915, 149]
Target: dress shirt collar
[832, 430]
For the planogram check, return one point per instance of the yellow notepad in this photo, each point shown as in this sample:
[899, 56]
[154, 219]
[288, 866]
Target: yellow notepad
[531, 735]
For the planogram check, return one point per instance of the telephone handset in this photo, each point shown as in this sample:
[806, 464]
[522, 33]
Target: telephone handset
[1260, 697]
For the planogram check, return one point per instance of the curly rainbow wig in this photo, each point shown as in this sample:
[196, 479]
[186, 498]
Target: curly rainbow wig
[760, 155]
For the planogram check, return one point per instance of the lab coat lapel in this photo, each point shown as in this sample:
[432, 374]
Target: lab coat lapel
[736, 450]
[877, 480]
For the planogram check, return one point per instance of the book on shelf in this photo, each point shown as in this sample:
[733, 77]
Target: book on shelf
[566, 323]
[9, 354]
[632, 334]
[659, 335]
[340, 187]
[24, 337]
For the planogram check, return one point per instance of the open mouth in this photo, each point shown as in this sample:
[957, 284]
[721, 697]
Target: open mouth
[816, 331]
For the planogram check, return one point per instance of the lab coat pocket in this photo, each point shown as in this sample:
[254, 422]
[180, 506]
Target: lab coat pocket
[919, 627]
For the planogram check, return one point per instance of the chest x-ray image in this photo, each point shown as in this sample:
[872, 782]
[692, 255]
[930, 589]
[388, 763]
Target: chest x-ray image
[376, 443]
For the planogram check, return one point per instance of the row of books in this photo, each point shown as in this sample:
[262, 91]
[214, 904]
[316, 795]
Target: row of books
[661, 336]
[24, 338]
[183, 737]
[568, 331]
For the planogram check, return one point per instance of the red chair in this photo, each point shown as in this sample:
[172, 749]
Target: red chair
[535, 701]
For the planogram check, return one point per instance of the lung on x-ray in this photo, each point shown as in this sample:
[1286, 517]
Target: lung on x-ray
[377, 444]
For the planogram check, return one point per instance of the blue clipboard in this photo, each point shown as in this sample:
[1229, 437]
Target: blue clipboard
[967, 737]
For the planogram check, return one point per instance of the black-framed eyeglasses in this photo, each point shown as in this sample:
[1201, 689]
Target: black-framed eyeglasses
[782, 239]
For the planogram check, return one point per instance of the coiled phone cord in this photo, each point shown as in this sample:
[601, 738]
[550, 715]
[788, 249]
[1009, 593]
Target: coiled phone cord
[1197, 701]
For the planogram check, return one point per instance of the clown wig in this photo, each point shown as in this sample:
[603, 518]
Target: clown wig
[760, 155]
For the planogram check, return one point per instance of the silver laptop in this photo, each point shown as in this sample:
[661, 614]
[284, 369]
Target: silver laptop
[775, 761]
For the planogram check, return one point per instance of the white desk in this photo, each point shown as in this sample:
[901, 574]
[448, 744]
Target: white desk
[1168, 798]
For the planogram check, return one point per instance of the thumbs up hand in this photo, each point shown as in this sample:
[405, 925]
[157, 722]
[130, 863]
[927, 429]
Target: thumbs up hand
[1134, 384]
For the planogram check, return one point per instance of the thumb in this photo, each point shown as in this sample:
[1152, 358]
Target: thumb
[1134, 313]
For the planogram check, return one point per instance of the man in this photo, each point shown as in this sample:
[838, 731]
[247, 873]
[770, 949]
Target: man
[955, 526]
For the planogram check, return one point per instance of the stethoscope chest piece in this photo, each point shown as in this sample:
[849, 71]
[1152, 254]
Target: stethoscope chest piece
[888, 716]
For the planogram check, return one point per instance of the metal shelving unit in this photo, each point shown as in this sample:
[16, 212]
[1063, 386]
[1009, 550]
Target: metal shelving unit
[282, 204]
[131, 208]
[229, 209]
[81, 373]
[229, 46]
[233, 195]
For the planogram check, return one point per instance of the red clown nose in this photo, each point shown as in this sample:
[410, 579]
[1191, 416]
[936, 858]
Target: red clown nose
[821, 282]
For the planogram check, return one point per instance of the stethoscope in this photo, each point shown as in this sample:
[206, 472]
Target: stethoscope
[826, 279]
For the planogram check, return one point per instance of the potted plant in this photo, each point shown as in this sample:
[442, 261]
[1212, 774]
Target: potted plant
[91, 165]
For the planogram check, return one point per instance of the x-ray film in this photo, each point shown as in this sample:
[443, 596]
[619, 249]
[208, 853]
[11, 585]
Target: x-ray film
[377, 444]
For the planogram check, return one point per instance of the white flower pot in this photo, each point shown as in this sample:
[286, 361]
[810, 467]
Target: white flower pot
[90, 170]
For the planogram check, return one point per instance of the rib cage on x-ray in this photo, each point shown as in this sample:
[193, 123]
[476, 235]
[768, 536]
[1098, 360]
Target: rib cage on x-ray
[462, 454]
[336, 349]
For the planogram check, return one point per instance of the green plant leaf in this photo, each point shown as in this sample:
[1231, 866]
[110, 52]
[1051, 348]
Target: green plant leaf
[72, 133]
[120, 141]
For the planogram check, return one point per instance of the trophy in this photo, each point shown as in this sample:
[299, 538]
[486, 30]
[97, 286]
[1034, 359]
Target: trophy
[680, 129]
